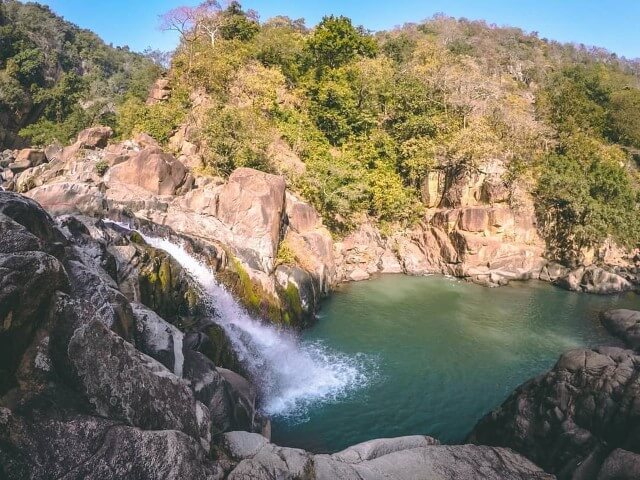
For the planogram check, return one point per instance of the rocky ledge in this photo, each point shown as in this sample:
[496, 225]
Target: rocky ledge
[95, 384]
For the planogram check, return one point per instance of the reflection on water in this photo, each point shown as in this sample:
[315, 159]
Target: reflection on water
[446, 353]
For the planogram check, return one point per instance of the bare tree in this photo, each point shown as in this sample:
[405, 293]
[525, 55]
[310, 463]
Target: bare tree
[193, 22]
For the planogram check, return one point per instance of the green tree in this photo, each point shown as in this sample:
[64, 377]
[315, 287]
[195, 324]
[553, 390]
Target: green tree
[335, 41]
[624, 117]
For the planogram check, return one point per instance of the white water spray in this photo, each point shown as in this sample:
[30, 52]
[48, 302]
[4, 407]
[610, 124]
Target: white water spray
[291, 375]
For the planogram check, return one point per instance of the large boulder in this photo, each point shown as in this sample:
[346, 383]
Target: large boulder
[126, 385]
[94, 137]
[29, 276]
[249, 456]
[158, 339]
[594, 279]
[252, 204]
[151, 169]
[28, 157]
[66, 198]
[571, 419]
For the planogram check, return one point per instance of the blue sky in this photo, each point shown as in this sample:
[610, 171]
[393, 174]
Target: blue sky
[610, 24]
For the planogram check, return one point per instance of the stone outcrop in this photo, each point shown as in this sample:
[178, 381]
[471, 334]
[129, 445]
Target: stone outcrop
[251, 203]
[579, 420]
[245, 455]
[151, 169]
[159, 91]
[95, 137]
[90, 382]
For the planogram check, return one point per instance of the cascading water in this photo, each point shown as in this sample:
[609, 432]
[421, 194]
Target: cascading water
[290, 375]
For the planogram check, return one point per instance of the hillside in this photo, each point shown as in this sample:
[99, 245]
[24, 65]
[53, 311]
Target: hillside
[56, 78]
[389, 125]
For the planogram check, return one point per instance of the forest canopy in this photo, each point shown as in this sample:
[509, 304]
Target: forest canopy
[56, 79]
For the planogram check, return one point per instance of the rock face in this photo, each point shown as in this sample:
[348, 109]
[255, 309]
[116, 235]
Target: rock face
[252, 204]
[579, 420]
[249, 456]
[151, 169]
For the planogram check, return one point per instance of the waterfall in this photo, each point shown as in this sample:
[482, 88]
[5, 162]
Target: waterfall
[290, 374]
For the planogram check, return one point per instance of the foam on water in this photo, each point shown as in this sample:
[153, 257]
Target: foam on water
[291, 375]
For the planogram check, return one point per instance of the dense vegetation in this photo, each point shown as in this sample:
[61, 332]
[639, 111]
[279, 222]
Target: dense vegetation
[370, 115]
[56, 79]
[356, 121]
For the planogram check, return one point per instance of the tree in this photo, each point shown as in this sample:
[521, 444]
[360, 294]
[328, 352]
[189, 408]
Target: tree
[335, 41]
[624, 117]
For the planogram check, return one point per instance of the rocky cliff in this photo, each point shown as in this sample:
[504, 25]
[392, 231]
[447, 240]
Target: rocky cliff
[272, 247]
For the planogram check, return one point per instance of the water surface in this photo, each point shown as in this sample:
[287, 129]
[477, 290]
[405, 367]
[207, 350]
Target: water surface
[436, 354]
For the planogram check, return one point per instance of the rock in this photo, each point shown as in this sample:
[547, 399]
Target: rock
[620, 465]
[158, 339]
[301, 216]
[94, 137]
[53, 151]
[33, 218]
[31, 156]
[624, 324]
[159, 91]
[145, 140]
[494, 192]
[251, 204]
[569, 419]
[246, 455]
[474, 219]
[299, 293]
[432, 188]
[594, 279]
[389, 263]
[68, 198]
[358, 274]
[160, 283]
[230, 405]
[31, 275]
[126, 385]
[284, 159]
[100, 296]
[202, 200]
[74, 447]
[150, 169]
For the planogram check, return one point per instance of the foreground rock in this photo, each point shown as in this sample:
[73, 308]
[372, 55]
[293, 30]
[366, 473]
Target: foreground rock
[249, 456]
[90, 385]
[580, 420]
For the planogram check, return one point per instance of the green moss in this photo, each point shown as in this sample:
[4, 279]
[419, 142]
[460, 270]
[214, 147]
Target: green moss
[192, 298]
[164, 274]
[136, 238]
[293, 303]
[247, 292]
[285, 256]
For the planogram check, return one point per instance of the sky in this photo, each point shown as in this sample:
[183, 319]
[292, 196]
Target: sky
[612, 24]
